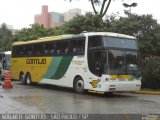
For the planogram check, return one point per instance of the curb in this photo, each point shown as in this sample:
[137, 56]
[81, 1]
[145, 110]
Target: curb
[145, 92]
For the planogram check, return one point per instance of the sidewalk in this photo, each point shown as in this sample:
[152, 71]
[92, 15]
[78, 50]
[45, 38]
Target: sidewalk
[145, 92]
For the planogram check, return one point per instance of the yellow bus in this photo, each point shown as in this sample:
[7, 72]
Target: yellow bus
[94, 61]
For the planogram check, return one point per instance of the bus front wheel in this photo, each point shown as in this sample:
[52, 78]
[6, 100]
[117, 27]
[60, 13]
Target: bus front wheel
[79, 85]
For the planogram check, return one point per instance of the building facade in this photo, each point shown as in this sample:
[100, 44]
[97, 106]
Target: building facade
[71, 13]
[54, 19]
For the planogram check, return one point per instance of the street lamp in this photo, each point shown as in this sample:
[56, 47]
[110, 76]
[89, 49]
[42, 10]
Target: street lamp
[130, 5]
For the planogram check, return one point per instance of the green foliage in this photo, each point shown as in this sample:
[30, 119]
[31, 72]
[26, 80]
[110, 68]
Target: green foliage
[144, 27]
[151, 74]
[5, 38]
[36, 31]
[81, 23]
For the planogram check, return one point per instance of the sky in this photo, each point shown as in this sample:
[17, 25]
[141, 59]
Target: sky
[20, 13]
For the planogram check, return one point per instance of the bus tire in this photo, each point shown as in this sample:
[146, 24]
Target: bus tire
[28, 79]
[22, 78]
[79, 85]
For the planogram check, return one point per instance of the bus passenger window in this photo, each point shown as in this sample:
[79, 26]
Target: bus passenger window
[52, 51]
[66, 51]
[95, 41]
[74, 50]
[46, 52]
[52, 48]
[81, 46]
[58, 51]
[73, 45]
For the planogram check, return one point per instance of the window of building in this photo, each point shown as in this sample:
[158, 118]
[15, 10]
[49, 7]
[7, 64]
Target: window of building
[58, 18]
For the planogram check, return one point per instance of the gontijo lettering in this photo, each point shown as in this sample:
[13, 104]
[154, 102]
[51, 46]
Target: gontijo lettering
[36, 61]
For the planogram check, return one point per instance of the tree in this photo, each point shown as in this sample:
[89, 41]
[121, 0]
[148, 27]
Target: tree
[36, 31]
[130, 5]
[5, 38]
[151, 76]
[80, 23]
[103, 4]
[144, 27]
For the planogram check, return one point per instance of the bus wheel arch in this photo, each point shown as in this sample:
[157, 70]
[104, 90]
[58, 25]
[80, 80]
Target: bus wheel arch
[78, 84]
[28, 78]
[22, 78]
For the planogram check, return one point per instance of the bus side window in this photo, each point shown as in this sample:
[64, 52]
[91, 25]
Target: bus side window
[58, 48]
[49, 48]
[77, 46]
[33, 49]
[75, 50]
[46, 49]
[70, 47]
[94, 41]
[65, 47]
[81, 46]
[15, 51]
[66, 50]
[21, 51]
[29, 50]
[36, 49]
[24, 50]
[40, 48]
[73, 46]
[53, 48]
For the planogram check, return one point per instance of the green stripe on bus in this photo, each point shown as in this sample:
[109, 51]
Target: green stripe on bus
[63, 66]
[58, 67]
[53, 67]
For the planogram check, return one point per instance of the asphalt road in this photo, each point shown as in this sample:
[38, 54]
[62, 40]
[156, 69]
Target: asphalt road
[52, 99]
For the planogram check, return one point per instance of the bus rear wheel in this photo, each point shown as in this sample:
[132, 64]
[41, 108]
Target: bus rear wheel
[79, 85]
[28, 79]
[21, 78]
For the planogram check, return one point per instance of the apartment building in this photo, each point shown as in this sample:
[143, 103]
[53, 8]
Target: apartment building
[54, 19]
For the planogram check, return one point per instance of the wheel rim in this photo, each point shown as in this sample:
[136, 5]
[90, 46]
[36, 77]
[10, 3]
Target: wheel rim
[28, 80]
[79, 86]
[22, 78]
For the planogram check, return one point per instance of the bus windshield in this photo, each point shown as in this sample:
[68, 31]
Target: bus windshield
[113, 55]
[119, 42]
[122, 62]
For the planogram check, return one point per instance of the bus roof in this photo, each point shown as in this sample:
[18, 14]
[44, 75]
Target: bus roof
[67, 36]
[51, 38]
[111, 34]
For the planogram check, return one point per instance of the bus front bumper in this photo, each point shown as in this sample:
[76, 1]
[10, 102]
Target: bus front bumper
[110, 86]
